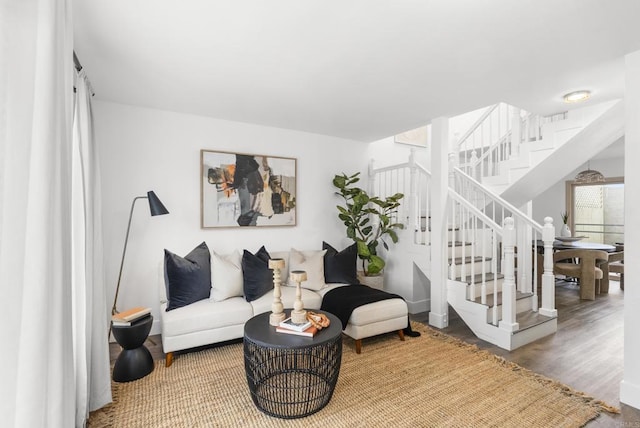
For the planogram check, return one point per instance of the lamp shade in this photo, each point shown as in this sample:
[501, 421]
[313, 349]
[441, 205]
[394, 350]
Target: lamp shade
[589, 176]
[155, 205]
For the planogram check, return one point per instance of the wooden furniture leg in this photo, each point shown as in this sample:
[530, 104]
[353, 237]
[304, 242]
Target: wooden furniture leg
[358, 346]
[168, 359]
[401, 334]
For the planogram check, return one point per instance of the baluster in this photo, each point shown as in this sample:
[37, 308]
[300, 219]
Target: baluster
[548, 279]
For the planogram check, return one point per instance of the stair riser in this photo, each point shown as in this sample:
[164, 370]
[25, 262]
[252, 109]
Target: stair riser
[490, 286]
[458, 251]
[474, 268]
[522, 305]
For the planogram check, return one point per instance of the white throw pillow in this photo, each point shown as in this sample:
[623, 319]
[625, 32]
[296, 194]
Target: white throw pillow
[311, 262]
[226, 276]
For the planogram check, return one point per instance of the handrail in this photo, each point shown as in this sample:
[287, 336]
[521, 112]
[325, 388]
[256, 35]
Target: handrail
[477, 123]
[492, 148]
[390, 168]
[468, 205]
[522, 216]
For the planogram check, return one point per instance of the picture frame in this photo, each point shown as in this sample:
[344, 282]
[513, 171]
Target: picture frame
[247, 190]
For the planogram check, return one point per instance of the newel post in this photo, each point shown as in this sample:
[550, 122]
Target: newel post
[548, 307]
[508, 321]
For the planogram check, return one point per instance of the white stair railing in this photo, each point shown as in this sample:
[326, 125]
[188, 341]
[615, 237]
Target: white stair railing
[529, 236]
[484, 235]
[496, 137]
[414, 181]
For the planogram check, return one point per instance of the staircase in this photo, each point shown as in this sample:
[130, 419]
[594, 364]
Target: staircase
[493, 250]
[500, 304]
[519, 155]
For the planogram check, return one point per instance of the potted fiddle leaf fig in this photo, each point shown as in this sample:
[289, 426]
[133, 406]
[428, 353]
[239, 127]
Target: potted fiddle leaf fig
[368, 219]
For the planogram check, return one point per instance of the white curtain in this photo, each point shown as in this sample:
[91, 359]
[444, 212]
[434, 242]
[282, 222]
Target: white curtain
[93, 381]
[48, 356]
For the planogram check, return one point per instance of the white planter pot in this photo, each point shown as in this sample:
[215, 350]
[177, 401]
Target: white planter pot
[565, 232]
[376, 281]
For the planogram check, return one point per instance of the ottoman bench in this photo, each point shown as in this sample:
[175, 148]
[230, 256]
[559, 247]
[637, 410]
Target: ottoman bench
[367, 319]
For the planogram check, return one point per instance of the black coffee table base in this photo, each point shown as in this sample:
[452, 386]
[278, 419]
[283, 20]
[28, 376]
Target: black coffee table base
[291, 376]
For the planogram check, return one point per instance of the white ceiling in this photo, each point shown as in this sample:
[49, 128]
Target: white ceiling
[358, 69]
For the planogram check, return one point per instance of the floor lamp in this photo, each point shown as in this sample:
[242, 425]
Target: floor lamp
[156, 208]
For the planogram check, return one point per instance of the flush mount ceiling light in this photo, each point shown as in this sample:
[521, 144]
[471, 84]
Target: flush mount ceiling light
[576, 96]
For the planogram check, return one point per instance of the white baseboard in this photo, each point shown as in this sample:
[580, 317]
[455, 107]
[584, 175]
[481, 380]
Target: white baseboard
[438, 320]
[418, 306]
[630, 394]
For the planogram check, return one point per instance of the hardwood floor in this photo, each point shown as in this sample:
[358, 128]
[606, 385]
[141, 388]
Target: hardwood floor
[586, 353]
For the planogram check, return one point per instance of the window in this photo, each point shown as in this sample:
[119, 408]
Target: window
[597, 210]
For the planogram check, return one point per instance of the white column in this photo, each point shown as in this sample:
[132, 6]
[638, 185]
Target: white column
[438, 316]
[630, 386]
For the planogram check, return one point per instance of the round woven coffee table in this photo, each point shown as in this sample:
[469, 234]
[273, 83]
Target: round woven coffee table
[291, 376]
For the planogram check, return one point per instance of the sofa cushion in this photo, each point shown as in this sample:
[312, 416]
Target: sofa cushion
[340, 267]
[226, 276]
[188, 278]
[206, 314]
[257, 277]
[311, 262]
[310, 299]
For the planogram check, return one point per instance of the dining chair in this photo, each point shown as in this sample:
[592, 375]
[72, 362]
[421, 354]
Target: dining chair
[616, 265]
[584, 265]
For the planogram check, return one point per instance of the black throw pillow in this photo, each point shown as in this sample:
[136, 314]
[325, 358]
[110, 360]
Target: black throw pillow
[188, 278]
[257, 278]
[340, 267]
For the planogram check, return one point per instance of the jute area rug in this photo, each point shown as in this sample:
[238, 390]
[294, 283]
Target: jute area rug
[429, 381]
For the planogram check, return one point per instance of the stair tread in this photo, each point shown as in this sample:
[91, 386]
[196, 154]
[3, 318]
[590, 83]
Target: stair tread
[477, 279]
[529, 319]
[519, 295]
[468, 259]
[458, 244]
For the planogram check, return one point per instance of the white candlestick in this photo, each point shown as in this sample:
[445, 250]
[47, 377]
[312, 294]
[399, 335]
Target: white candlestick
[298, 315]
[277, 309]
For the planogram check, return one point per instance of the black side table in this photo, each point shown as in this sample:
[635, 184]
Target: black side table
[291, 376]
[135, 361]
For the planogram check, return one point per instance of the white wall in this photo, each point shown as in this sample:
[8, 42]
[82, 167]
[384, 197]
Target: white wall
[552, 202]
[630, 387]
[143, 149]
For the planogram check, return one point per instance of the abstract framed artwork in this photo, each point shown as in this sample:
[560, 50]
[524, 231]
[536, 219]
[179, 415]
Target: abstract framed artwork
[240, 189]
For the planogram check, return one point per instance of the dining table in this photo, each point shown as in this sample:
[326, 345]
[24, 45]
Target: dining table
[577, 244]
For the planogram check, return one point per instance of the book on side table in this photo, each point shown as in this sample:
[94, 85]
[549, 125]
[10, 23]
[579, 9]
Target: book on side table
[309, 332]
[125, 318]
[290, 325]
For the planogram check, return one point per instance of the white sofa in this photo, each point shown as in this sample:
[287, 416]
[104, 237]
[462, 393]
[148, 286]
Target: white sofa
[208, 321]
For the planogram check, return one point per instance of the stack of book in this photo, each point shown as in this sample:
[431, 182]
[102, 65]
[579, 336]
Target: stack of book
[130, 316]
[289, 327]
